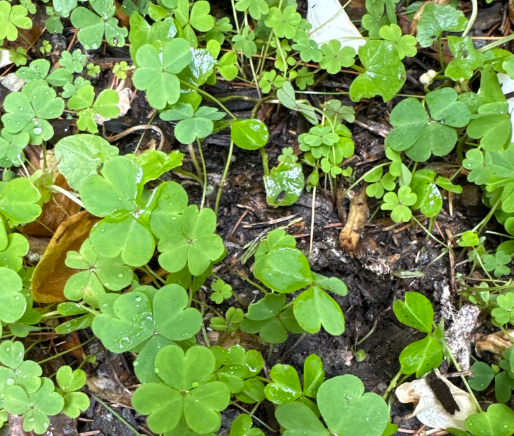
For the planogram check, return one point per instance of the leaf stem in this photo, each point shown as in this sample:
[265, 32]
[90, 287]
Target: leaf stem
[62, 353]
[55, 188]
[210, 97]
[224, 176]
[117, 415]
[204, 170]
[472, 18]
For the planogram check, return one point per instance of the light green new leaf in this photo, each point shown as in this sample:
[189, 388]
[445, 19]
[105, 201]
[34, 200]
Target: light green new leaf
[243, 426]
[166, 218]
[284, 269]
[416, 311]
[314, 308]
[421, 356]
[24, 373]
[12, 18]
[347, 410]
[437, 19]
[249, 134]
[80, 156]
[155, 163]
[70, 381]
[285, 386]
[200, 18]
[142, 33]
[384, 75]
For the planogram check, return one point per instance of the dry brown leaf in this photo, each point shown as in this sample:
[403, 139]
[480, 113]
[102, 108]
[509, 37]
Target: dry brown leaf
[429, 409]
[51, 273]
[495, 343]
[55, 211]
[110, 390]
[357, 217]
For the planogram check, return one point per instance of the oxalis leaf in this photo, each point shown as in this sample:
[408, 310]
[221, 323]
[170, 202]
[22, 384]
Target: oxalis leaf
[284, 269]
[193, 243]
[284, 184]
[299, 420]
[421, 356]
[16, 371]
[314, 308]
[416, 311]
[186, 392]
[69, 381]
[18, 201]
[80, 156]
[249, 134]
[498, 420]
[157, 72]
[12, 301]
[384, 75]
[128, 320]
[347, 410]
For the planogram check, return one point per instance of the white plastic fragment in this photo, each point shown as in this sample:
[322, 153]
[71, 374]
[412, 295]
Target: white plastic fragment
[429, 409]
[330, 21]
[12, 82]
[5, 58]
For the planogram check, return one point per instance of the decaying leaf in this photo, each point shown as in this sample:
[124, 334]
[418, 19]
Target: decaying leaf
[55, 211]
[330, 21]
[459, 334]
[51, 274]
[429, 409]
[110, 390]
[495, 343]
[357, 217]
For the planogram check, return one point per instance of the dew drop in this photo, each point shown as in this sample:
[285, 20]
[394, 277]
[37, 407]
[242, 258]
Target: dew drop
[120, 276]
[38, 131]
[9, 381]
[138, 299]
[21, 109]
[136, 363]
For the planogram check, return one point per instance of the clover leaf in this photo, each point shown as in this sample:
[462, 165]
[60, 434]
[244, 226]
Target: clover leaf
[142, 33]
[405, 44]
[466, 59]
[12, 301]
[73, 62]
[157, 71]
[284, 269]
[192, 124]
[336, 57]
[35, 407]
[80, 156]
[222, 291]
[243, 424]
[128, 320]
[256, 8]
[497, 263]
[420, 137]
[384, 73]
[18, 201]
[314, 308]
[64, 7]
[437, 19]
[497, 420]
[11, 147]
[37, 70]
[416, 311]
[92, 27]
[186, 392]
[283, 23]
[99, 271]
[171, 202]
[398, 204]
[193, 242]
[346, 409]
[106, 105]
[29, 110]
[298, 419]
[16, 371]
[309, 50]
[421, 356]
[70, 381]
[12, 18]
[493, 126]
[504, 313]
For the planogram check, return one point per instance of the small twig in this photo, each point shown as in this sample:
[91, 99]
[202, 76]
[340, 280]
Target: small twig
[140, 127]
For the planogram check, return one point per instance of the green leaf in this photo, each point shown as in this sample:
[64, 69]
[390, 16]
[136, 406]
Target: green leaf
[332, 284]
[115, 191]
[157, 71]
[80, 156]
[284, 23]
[155, 163]
[498, 420]
[126, 321]
[12, 256]
[70, 381]
[445, 107]
[266, 308]
[348, 410]
[12, 301]
[243, 426]
[172, 201]
[64, 7]
[256, 9]
[483, 375]
[142, 33]
[493, 130]
[200, 18]
[416, 311]
[421, 356]
[29, 110]
[16, 371]
[194, 244]
[285, 386]
[405, 45]
[284, 184]
[12, 18]
[384, 74]
[299, 420]
[314, 308]
[249, 134]
[335, 57]
[35, 407]
[437, 19]
[313, 375]
[284, 269]
[466, 59]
